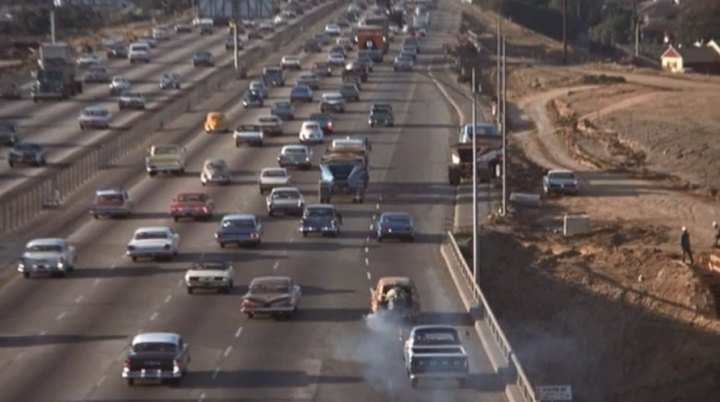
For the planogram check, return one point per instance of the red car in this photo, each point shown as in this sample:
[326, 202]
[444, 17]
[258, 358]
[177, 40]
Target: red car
[192, 205]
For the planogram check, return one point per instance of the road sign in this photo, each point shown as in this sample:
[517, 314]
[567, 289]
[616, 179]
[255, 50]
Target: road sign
[554, 393]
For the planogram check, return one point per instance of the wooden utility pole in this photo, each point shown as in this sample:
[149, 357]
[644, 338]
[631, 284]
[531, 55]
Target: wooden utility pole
[564, 13]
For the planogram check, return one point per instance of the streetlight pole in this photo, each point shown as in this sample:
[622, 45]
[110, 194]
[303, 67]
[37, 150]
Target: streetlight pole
[503, 126]
[475, 178]
[236, 62]
[52, 25]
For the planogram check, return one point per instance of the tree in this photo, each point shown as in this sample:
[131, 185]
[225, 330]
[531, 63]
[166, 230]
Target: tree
[614, 28]
[700, 20]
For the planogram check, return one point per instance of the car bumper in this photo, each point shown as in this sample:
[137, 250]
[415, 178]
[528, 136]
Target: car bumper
[190, 213]
[109, 211]
[288, 210]
[94, 124]
[214, 284]
[333, 107]
[318, 229]
[151, 374]
[284, 163]
[396, 234]
[241, 241]
[403, 68]
[150, 253]
[301, 99]
[131, 105]
[293, 66]
[267, 310]
[41, 268]
[385, 122]
[440, 375]
[561, 190]
[163, 169]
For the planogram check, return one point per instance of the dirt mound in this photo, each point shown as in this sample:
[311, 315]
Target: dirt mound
[597, 79]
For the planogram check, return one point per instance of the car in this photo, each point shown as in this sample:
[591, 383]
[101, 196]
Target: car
[117, 51]
[355, 69]
[295, 156]
[322, 38]
[283, 110]
[139, 51]
[353, 79]
[332, 101]
[203, 58]
[240, 229]
[251, 134]
[165, 158]
[302, 93]
[94, 117]
[170, 81]
[215, 171]
[311, 133]
[350, 92]
[312, 46]
[27, 153]
[285, 200]
[216, 122]
[131, 100]
[207, 26]
[403, 63]
[345, 43]
[280, 20]
[271, 125]
[320, 218]
[149, 40]
[153, 242]
[482, 128]
[161, 34]
[395, 225]
[111, 202]
[52, 256]
[252, 99]
[290, 62]
[350, 145]
[254, 34]
[336, 59]
[193, 205]
[322, 69]
[435, 352]
[339, 49]
[9, 133]
[560, 181]
[273, 177]
[230, 42]
[343, 24]
[266, 27]
[381, 114]
[183, 27]
[409, 50]
[160, 356]
[333, 29]
[210, 274]
[87, 61]
[96, 74]
[119, 84]
[259, 87]
[365, 62]
[310, 79]
[277, 296]
[395, 296]
[273, 76]
[324, 120]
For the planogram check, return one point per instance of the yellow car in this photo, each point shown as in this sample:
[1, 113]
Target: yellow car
[216, 122]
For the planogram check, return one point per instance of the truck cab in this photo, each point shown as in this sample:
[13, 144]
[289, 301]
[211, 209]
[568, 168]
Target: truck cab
[168, 158]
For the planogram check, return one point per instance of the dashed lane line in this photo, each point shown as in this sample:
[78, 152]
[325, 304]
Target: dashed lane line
[215, 373]
[276, 265]
[96, 282]
[154, 316]
[167, 299]
[367, 250]
[369, 276]
[367, 261]
[79, 299]
[227, 351]
[100, 381]
[238, 332]
[61, 316]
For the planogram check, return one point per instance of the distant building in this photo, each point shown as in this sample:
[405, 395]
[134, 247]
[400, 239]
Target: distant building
[113, 4]
[703, 59]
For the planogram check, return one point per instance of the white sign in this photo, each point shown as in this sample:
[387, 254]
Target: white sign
[554, 393]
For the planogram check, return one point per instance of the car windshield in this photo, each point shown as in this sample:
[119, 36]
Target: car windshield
[282, 105]
[270, 120]
[27, 147]
[165, 150]
[210, 265]
[217, 165]
[319, 117]
[562, 175]
[396, 219]
[300, 88]
[202, 54]
[313, 126]
[44, 248]
[274, 173]
[191, 198]
[319, 213]
[239, 223]
[270, 287]
[109, 198]
[151, 235]
[95, 112]
[296, 151]
[286, 195]
[149, 347]
[436, 336]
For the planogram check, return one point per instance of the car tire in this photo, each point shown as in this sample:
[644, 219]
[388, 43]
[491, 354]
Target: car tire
[250, 315]
[270, 212]
[82, 127]
[304, 234]
[26, 275]
[130, 382]
[413, 383]
[379, 239]
[134, 258]
[222, 245]
[96, 216]
[11, 164]
[411, 239]
[189, 290]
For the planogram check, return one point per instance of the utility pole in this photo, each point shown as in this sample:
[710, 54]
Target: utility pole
[503, 126]
[564, 13]
[52, 24]
[475, 178]
[497, 73]
[636, 21]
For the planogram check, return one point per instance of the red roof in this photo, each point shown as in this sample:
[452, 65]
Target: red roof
[671, 52]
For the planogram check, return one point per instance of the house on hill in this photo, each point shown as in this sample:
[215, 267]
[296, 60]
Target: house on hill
[698, 59]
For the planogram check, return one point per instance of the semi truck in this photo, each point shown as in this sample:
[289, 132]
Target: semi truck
[56, 76]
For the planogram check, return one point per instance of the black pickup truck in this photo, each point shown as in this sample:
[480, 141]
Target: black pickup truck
[159, 356]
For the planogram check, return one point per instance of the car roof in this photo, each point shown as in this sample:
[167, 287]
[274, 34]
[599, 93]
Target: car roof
[215, 160]
[245, 217]
[431, 326]
[560, 171]
[156, 337]
[320, 206]
[396, 213]
[54, 241]
[329, 94]
[295, 146]
[274, 169]
[285, 189]
[395, 280]
[153, 229]
[109, 191]
[94, 108]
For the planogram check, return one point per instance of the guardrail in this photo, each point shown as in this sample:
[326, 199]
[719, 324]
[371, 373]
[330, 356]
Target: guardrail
[50, 191]
[460, 265]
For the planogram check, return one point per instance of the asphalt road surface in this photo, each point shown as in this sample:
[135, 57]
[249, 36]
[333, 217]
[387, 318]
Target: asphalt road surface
[55, 124]
[65, 339]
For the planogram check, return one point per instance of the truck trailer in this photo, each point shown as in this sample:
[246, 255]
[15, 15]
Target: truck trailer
[56, 76]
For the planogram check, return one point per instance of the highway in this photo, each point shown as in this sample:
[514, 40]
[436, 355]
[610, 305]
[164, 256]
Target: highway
[64, 340]
[54, 124]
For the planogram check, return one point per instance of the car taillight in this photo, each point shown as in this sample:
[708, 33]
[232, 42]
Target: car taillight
[127, 362]
[330, 125]
[384, 230]
[248, 303]
[254, 235]
[204, 209]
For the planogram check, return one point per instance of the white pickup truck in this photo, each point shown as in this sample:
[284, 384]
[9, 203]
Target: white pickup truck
[251, 134]
[435, 352]
[165, 159]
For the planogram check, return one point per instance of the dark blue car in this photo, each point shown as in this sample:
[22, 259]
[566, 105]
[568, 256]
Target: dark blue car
[252, 99]
[240, 229]
[301, 93]
[398, 225]
[320, 218]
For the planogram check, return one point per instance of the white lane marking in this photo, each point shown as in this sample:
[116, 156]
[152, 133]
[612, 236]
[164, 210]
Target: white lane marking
[238, 332]
[367, 250]
[79, 299]
[43, 333]
[168, 298]
[227, 351]
[377, 206]
[380, 198]
[369, 276]
[202, 397]
[100, 381]
[371, 226]
[215, 373]
[113, 266]
[97, 282]
[180, 283]
[292, 240]
[276, 265]
[61, 316]
[374, 217]
[154, 316]
[367, 261]
[367, 239]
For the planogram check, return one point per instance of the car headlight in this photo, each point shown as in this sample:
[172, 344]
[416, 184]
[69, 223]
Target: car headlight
[455, 159]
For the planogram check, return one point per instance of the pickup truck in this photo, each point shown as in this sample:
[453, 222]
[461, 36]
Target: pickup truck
[165, 159]
[343, 174]
[271, 125]
[251, 134]
[435, 352]
[160, 356]
[111, 202]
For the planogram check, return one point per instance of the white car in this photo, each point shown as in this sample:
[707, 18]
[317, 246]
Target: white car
[153, 242]
[161, 34]
[259, 87]
[149, 40]
[336, 59]
[333, 29]
[290, 62]
[52, 256]
[94, 117]
[119, 84]
[311, 132]
[215, 274]
[139, 51]
[273, 177]
[86, 61]
[279, 20]
[132, 100]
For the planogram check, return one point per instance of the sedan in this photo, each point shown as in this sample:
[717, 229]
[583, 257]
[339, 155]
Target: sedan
[403, 63]
[240, 229]
[9, 133]
[285, 200]
[272, 295]
[324, 120]
[295, 155]
[311, 133]
[252, 99]
[397, 225]
[9, 91]
[192, 205]
[290, 62]
[230, 42]
[310, 79]
[131, 100]
[350, 92]
[119, 85]
[332, 101]
[94, 117]
[210, 274]
[283, 110]
[301, 93]
[259, 87]
[153, 242]
[273, 177]
[203, 58]
[26, 153]
[336, 59]
[215, 171]
[170, 81]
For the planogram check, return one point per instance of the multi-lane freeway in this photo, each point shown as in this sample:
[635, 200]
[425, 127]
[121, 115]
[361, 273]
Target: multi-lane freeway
[65, 339]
